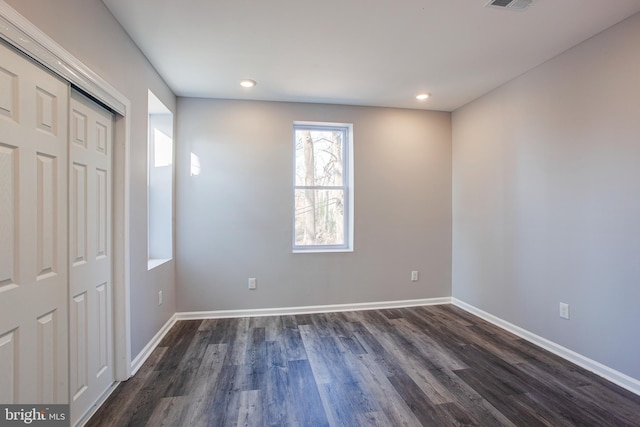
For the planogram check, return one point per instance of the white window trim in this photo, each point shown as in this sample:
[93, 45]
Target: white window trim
[156, 106]
[348, 191]
[156, 262]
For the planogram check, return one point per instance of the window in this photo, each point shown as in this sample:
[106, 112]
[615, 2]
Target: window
[159, 183]
[323, 187]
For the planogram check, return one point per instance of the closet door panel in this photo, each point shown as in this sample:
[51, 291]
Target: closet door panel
[90, 270]
[33, 232]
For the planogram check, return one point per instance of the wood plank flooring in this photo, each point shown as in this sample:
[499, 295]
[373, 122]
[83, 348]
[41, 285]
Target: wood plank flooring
[430, 366]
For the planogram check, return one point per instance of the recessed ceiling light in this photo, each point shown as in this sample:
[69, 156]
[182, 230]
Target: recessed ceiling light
[247, 83]
[422, 96]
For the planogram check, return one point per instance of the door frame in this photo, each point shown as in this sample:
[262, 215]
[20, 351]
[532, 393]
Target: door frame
[28, 39]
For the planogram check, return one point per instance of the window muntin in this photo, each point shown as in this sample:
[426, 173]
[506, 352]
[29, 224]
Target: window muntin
[322, 187]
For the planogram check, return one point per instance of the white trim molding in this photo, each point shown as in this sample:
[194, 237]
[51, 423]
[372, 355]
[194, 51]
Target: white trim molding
[616, 377]
[261, 312]
[144, 354]
[29, 39]
[18, 32]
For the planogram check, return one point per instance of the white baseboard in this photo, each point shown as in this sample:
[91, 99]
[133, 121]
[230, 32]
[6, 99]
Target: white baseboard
[260, 312]
[139, 360]
[616, 377]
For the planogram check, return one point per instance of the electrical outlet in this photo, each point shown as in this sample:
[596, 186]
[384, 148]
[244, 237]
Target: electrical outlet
[564, 310]
[159, 297]
[414, 276]
[253, 284]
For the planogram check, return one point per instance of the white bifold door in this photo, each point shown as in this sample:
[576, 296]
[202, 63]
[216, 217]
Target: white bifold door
[56, 333]
[90, 288]
[33, 233]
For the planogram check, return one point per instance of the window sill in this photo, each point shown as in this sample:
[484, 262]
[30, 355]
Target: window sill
[156, 262]
[319, 251]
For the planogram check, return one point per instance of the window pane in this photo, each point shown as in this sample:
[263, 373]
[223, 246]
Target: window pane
[319, 157]
[319, 217]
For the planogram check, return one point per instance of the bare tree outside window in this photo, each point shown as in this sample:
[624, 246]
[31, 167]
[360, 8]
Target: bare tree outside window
[320, 186]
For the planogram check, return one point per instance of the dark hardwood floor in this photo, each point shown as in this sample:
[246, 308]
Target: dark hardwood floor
[431, 366]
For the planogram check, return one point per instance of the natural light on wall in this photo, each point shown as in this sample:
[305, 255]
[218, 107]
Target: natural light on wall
[163, 149]
[195, 165]
[159, 183]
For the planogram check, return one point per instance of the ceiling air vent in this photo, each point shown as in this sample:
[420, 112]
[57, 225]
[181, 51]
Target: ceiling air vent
[510, 4]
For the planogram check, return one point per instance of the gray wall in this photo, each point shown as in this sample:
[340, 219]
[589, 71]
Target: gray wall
[546, 199]
[88, 30]
[234, 221]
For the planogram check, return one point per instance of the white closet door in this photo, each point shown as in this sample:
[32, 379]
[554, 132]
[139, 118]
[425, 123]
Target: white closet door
[33, 233]
[91, 331]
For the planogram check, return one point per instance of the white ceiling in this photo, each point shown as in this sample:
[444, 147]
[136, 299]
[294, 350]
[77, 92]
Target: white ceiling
[361, 52]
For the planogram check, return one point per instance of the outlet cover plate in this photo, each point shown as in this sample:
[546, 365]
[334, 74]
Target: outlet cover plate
[564, 310]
